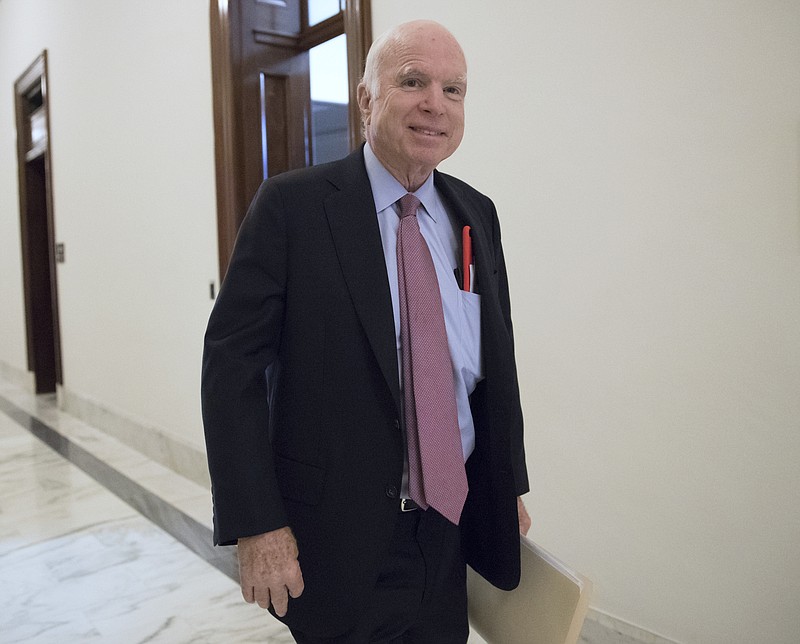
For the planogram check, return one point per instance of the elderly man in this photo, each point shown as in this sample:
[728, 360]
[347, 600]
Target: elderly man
[360, 396]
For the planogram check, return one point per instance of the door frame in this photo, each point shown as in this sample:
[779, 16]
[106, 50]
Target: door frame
[226, 80]
[34, 80]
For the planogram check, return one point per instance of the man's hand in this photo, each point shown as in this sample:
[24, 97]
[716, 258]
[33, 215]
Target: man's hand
[524, 517]
[269, 572]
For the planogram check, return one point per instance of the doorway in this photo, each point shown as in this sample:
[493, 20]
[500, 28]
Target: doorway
[36, 227]
[270, 114]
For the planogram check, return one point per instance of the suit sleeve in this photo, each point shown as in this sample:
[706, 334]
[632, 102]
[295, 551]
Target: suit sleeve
[516, 433]
[242, 340]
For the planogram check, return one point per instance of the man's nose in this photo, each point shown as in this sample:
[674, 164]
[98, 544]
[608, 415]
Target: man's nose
[433, 100]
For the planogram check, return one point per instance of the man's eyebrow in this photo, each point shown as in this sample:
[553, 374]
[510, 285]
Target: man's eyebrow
[407, 72]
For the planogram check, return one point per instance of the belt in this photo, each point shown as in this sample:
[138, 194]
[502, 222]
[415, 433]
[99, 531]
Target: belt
[407, 505]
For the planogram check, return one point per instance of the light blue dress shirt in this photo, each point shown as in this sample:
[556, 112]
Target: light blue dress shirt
[461, 309]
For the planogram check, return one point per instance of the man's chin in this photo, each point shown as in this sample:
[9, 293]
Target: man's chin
[432, 155]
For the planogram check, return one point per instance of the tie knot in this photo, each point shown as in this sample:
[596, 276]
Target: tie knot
[408, 205]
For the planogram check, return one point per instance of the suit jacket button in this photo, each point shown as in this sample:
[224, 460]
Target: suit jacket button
[396, 423]
[391, 491]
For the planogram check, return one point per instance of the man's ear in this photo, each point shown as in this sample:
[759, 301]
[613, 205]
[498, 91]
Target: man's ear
[364, 102]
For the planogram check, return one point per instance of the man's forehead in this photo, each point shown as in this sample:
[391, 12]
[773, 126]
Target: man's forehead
[427, 69]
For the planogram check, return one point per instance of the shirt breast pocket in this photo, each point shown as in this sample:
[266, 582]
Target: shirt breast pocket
[471, 352]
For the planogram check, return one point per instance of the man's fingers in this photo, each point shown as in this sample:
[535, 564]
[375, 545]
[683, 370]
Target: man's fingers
[296, 586]
[280, 601]
[524, 517]
[248, 592]
[262, 596]
[269, 570]
[278, 598]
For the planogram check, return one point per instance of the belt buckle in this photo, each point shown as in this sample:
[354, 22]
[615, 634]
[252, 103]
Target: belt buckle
[408, 505]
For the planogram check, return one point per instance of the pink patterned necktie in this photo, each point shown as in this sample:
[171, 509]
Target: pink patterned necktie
[436, 475]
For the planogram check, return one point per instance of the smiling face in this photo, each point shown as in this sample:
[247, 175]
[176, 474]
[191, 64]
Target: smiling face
[415, 119]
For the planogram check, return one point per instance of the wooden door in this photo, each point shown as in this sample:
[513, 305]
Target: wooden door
[262, 104]
[275, 95]
[37, 227]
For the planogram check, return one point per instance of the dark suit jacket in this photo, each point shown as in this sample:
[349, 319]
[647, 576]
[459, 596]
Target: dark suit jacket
[320, 449]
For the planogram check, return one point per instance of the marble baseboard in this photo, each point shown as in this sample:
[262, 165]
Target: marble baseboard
[602, 628]
[19, 377]
[157, 444]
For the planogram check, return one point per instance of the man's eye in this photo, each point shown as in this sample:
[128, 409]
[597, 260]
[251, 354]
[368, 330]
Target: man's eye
[411, 82]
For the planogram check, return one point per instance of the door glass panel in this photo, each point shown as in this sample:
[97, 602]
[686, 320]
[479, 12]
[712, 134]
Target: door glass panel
[319, 10]
[329, 100]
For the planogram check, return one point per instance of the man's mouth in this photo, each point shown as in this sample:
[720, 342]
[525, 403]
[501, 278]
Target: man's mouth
[426, 132]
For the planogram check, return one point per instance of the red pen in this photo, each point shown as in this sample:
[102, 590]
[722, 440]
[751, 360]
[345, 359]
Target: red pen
[467, 260]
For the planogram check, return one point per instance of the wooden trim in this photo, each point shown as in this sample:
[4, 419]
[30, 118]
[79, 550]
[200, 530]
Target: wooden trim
[322, 32]
[226, 130]
[35, 70]
[358, 27]
[307, 37]
[276, 38]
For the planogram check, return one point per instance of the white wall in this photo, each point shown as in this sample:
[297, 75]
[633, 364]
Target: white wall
[134, 201]
[12, 313]
[644, 160]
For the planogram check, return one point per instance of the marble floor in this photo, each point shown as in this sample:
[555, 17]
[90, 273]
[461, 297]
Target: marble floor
[79, 564]
[100, 544]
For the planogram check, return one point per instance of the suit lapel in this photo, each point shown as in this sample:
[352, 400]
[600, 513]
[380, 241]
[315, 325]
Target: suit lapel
[354, 228]
[356, 236]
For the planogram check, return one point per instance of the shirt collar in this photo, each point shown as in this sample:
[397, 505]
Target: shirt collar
[386, 190]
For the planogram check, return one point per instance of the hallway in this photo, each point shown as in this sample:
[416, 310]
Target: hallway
[98, 543]
[79, 564]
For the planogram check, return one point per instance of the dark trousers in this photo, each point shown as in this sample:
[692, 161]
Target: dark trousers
[421, 594]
